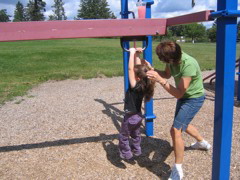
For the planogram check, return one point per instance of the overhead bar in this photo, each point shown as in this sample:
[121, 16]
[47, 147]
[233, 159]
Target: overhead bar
[40, 30]
[190, 18]
[37, 30]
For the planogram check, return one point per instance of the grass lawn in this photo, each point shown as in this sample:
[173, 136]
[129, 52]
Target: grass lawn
[24, 64]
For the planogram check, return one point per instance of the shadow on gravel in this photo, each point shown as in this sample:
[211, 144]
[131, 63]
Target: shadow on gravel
[114, 113]
[154, 151]
[61, 142]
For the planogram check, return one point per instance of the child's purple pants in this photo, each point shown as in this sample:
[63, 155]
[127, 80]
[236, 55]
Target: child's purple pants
[130, 128]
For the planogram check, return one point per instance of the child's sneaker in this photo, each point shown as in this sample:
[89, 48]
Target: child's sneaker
[127, 156]
[203, 145]
[176, 174]
[137, 153]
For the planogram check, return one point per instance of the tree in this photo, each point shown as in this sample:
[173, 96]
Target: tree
[212, 32]
[94, 9]
[177, 30]
[4, 17]
[35, 9]
[59, 13]
[19, 13]
[194, 31]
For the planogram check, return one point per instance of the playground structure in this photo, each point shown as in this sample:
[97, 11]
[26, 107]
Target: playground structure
[213, 75]
[226, 15]
[128, 29]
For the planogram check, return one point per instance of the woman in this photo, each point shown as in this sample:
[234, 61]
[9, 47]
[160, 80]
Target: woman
[189, 92]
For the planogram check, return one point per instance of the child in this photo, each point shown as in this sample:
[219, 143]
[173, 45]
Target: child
[140, 87]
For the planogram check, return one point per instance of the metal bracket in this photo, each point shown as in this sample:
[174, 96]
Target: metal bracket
[149, 2]
[225, 13]
[193, 3]
[128, 12]
[150, 117]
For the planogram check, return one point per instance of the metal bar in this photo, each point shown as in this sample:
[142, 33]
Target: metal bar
[124, 8]
[209, 76]
[238, 94]
[149, 116]
[213, 74]
[211, 80]
[13, 31]
[224, 97]
[190, 18]
[225, 13]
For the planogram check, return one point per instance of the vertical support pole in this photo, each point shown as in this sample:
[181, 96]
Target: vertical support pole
[149, 116]
[238, 93]
[124, 15]
[224, 98]
[238, 73]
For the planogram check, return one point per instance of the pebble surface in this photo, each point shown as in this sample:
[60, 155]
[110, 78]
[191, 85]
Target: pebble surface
[69, 129]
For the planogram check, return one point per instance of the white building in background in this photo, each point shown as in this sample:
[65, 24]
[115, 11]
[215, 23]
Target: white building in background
[182, 39]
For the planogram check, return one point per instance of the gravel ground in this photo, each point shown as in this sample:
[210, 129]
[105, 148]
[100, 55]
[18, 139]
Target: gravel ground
[68, 130]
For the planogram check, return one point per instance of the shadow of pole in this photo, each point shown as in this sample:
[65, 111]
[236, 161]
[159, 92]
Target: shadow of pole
[61, 142]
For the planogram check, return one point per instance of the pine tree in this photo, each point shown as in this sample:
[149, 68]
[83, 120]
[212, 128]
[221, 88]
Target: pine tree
[19, 13]
[4, 17]
[59, 13]
[94, 9]
[35, 9]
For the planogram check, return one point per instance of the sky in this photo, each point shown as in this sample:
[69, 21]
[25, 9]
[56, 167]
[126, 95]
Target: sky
[160, 8]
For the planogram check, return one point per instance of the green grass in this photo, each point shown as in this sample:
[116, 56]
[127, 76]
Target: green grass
[27, 63]
[24, 64]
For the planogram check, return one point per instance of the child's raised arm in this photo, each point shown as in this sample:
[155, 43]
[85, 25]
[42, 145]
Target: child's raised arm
[131, 63]
[133, 60]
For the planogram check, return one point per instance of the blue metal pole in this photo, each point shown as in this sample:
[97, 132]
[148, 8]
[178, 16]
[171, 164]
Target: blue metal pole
[238, 93]
[224, 98]
[124, 15]
[149, 116]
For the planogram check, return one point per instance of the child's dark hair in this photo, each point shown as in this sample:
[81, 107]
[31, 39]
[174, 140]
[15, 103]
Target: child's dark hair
[146, 84]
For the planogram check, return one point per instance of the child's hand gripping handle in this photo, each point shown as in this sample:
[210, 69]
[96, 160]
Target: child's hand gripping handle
[136, 38]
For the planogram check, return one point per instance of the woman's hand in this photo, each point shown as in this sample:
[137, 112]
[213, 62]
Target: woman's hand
[153, 75]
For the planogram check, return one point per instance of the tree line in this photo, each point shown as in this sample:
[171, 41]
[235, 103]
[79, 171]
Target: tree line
[34, 11]
[195, 32]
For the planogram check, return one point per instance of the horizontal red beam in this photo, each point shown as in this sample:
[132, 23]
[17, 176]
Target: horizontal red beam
[190, 18]
[36, 30]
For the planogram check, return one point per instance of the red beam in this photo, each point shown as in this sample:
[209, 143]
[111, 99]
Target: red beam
[14, 31]
[37, 30]
[190, 18]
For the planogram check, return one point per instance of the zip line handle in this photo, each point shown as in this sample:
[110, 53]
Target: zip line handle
[133, 38]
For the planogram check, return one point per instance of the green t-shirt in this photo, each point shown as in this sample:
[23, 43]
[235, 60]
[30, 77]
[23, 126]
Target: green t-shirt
[188, 68]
